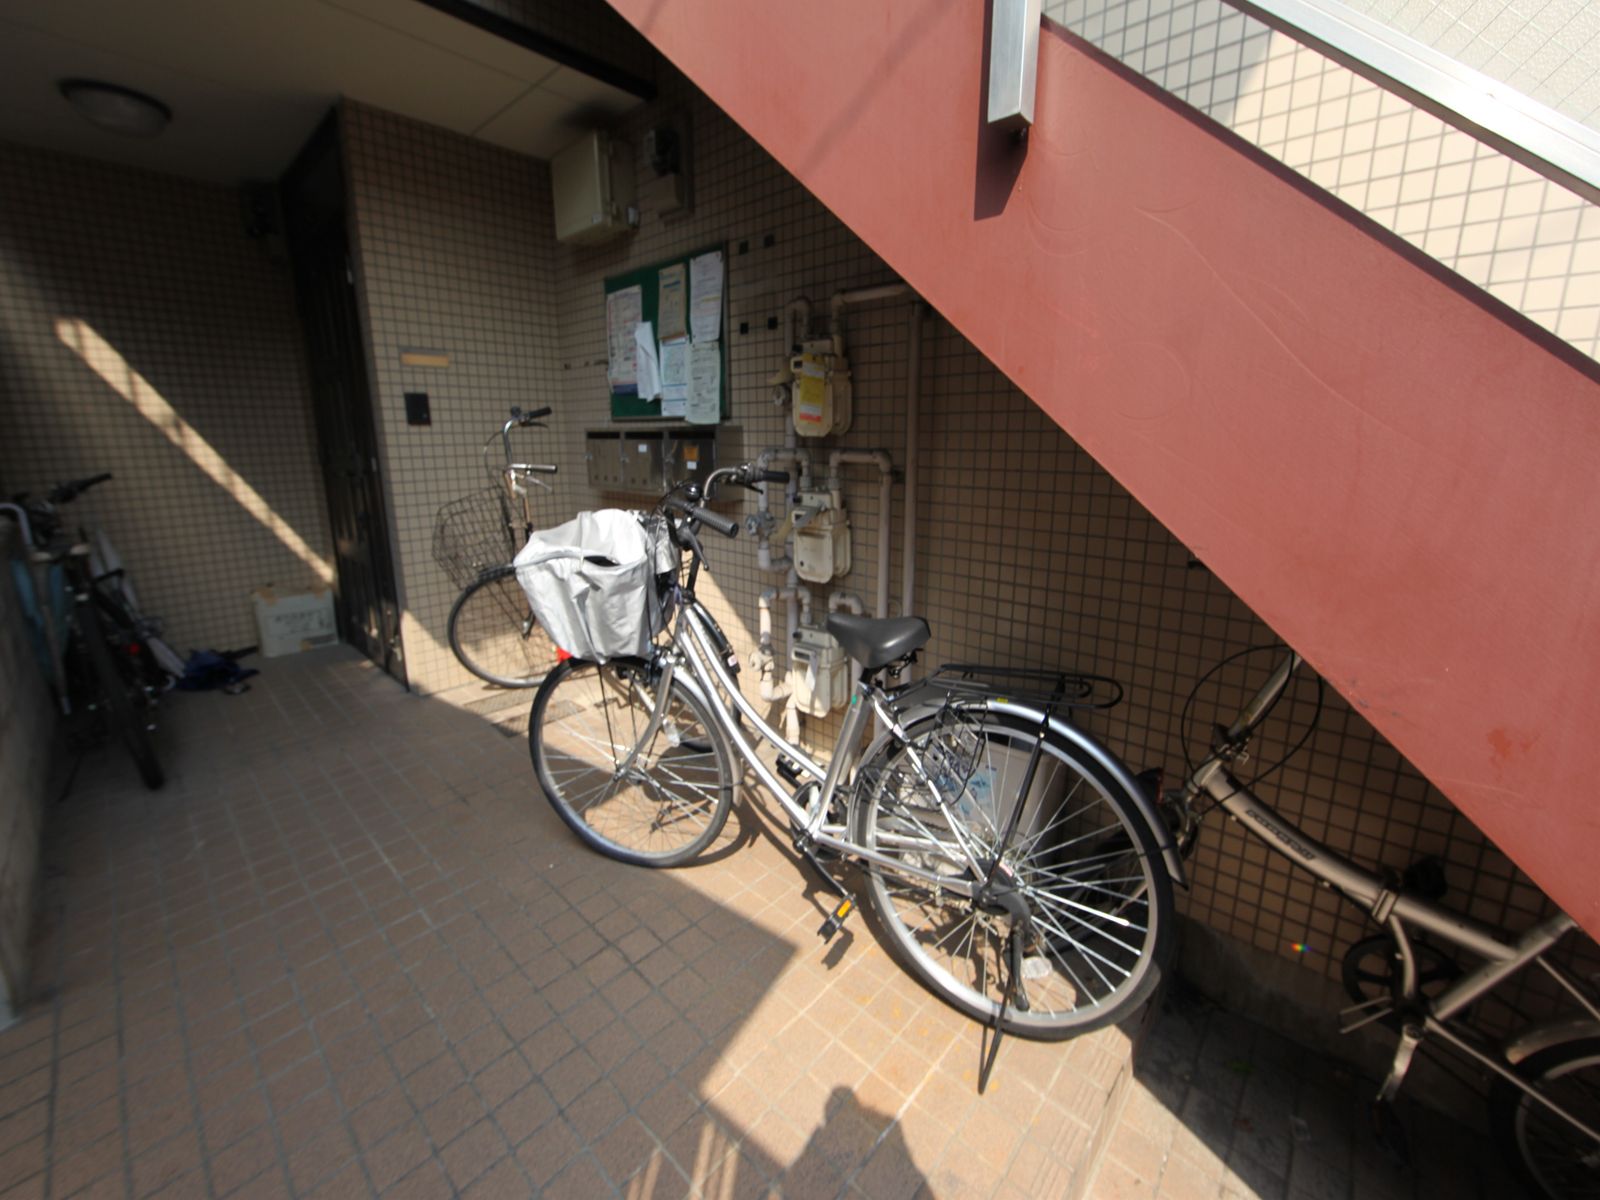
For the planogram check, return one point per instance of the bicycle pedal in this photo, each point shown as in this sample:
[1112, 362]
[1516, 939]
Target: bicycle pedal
[836, 918]
[789, 769]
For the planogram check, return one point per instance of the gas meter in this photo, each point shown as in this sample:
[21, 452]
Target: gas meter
[819, 672]
[820, 393]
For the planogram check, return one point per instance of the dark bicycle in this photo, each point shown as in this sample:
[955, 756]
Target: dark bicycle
[97, 649]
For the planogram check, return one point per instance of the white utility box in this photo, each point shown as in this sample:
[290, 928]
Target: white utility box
[291, 620]
[592, 190]
[821, 538]
[819, 672]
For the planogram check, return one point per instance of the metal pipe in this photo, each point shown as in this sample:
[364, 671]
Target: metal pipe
[885, 465]
[765, 661]
[867, 295]
[772, 455]
[908, 562]
[710, 665]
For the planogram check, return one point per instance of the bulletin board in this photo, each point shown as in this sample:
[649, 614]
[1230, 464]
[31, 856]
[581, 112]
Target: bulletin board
[625, 402]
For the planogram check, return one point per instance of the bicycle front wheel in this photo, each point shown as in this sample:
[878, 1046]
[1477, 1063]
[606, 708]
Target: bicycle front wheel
[654, 802]
[1082, 857]
[1557, 1158]
[495, 635]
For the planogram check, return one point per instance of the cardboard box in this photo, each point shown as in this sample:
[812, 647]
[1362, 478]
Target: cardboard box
[293, 620]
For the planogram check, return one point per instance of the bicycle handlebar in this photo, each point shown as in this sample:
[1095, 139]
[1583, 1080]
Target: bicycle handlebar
[726, 526]
[1263, 700]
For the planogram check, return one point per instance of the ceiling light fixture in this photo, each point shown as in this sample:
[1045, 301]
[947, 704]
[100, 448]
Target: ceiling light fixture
[119, 109]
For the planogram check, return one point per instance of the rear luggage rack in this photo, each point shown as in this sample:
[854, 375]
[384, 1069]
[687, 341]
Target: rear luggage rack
[1045, 689]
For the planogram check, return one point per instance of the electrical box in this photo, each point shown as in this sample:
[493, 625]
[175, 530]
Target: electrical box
[821, 393]
[821, 538]
[819, 672]
[592, 189]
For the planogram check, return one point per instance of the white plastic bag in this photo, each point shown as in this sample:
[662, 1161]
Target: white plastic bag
[590, 610]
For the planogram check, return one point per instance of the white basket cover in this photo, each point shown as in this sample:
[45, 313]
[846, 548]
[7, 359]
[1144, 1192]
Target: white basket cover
[589, 610]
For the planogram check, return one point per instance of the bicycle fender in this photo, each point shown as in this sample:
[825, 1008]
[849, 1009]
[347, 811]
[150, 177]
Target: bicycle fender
[1091, 749]
[1531, 1041]
[1112, 765]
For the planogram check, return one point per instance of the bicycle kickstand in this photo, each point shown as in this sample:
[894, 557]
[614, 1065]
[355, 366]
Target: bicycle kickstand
[1014, 995]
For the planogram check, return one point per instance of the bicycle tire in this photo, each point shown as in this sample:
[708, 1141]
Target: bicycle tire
[1556, 1160]
[1106, 921]
[494, 635]
[125, 715]
[586, 720]
[120, 625]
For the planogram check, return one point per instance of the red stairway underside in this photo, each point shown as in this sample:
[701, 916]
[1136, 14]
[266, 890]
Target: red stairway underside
[1398, 474]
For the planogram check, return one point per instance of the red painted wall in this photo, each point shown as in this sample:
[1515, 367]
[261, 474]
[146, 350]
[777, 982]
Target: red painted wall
[1401, 478]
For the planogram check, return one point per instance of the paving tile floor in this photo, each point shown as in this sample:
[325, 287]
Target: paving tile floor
[349, 951]
[1221, 1108]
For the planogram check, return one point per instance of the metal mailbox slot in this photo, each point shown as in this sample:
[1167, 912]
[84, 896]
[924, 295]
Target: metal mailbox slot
[603, 456]
[642, 461]
[689, 455]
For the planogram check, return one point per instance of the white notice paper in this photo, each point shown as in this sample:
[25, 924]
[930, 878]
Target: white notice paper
[623, 310]
[705, 297]
[649, 373]
[704, 405]
[671, 303]
[674, 376]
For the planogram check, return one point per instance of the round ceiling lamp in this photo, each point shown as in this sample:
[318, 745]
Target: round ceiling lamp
[119, 109]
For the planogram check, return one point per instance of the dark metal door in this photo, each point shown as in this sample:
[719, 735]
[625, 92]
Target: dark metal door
[367, 603]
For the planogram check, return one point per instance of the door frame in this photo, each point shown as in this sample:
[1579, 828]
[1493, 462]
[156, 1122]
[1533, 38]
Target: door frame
[304, 227]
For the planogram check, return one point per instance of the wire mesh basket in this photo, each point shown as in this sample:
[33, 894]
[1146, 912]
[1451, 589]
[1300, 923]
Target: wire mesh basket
[474, 533]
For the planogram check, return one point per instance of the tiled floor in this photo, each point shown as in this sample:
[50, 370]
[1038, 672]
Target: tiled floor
[349, 951]
[1223, 1109]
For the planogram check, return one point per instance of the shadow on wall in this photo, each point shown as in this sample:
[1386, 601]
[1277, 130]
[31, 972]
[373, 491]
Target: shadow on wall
[1206, 54]
[104, 360]
[147, 336]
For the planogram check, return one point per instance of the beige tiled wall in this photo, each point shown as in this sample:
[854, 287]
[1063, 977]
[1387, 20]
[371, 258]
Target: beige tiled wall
[142, 332]
[27, 742]
[1027, 552]
[1526, 241]
[453, 253]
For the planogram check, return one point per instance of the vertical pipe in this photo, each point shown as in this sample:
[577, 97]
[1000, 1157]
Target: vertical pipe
[908, 570]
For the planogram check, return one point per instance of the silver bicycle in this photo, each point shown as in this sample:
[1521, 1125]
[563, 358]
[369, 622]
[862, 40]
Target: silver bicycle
[1015, 867]
[1544, 1101]
[491, 629]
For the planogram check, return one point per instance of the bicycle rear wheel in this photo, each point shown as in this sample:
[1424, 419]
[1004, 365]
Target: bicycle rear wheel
[1558, 1160]
[672, 800]
[122, 697]
[1083, 858]
[495, 635]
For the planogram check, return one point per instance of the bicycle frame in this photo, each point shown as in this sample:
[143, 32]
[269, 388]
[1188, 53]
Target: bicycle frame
[693, 647]
[1395, 911]
[516, 476]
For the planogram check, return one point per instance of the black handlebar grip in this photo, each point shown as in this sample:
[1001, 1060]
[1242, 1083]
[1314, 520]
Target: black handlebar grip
[537, 413]
[723, 525]
[771, 477]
